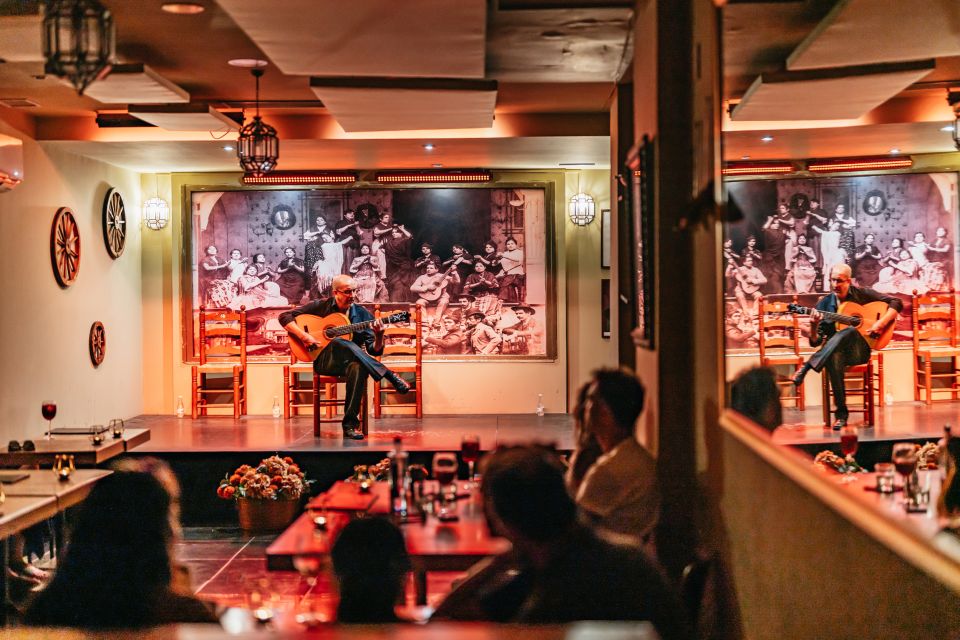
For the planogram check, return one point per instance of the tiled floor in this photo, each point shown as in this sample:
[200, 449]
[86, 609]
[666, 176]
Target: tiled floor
[229, 568]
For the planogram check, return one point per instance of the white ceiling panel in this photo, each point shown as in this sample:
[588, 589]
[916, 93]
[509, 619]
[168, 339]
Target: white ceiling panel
[815, 96]
[405, 38]
[871, 31]
[185, 118]
[136, 84]
[399, 109]
[21, 38]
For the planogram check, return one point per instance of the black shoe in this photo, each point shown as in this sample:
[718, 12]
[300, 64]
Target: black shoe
[352, 434]
[840, 423]
[800, 374]
[398, 383]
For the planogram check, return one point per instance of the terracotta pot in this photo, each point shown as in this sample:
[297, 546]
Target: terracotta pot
[266, 515]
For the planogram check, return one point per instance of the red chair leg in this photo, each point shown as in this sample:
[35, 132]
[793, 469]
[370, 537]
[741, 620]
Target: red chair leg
[193, 392]
[286, 392]
[316, 406]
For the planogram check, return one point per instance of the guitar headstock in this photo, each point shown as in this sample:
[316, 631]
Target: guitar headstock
[794, 308]
[399, 316]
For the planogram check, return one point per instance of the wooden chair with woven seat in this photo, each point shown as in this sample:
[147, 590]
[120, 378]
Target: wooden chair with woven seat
[867, 381]
[936, 355]
[222, 371]
[403, 350]
[298, 389]
[325, 401]
[778, 333]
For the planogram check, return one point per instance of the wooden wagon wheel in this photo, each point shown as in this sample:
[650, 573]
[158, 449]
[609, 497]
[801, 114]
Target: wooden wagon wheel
[114, 223]
[65, 247]
[98, 343]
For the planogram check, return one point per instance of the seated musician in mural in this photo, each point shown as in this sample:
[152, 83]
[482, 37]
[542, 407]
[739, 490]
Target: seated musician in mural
[431, 289]
[525, 337]
[843, 348]
[352, 359]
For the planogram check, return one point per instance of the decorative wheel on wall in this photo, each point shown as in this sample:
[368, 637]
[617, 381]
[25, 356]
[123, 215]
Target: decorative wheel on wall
[65, 247]
[114, 223]
[98, 343]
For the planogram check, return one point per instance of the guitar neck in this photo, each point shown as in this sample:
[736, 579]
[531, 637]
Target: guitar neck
[350, 328]
[831, 316]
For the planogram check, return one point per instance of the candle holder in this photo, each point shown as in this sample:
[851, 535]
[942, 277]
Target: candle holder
[116, 428]
[96, 437]
[63, 466]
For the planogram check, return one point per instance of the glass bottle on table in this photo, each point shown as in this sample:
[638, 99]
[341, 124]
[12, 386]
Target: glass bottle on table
[398, 478]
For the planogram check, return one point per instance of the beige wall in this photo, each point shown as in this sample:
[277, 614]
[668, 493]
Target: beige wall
[449, 387]
[45, 328]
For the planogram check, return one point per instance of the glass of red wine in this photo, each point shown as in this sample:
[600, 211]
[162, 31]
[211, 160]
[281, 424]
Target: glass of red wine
[445, 471]
[470, 453]
[848, 447]
[905, 461]
[49, 410]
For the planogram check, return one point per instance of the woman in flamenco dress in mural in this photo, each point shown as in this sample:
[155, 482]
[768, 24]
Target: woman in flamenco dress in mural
[327, 268]
[365, 269]
[901, 277]
[803, 271]
[291, 276]
[257, 292]
[830, 250]
[400, 268]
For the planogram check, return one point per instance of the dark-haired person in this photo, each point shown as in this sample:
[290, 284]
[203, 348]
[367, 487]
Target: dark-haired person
[353, 358]
[348, 230]
[116, 571]
[755, 394]
[480, 337]
[426, 249]
[559, 570]
[513, 280]
[525, 335]
[619, 491]
[462, 263]
[371, 564]
[452, 340]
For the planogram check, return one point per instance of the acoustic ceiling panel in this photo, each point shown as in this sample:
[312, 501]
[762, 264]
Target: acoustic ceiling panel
[184, 117]
[136, 84]
[399, 106]
[408, 38]
[870, 31]
[826, 96]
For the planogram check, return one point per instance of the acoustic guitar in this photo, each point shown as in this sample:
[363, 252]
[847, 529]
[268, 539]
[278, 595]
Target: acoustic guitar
[437, 292]
[861, 317]
[327, 328]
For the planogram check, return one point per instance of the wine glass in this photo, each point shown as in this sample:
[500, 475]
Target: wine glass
[905, 461]
[49, 410]
[848, 446]
[470, 453]
[445, 471]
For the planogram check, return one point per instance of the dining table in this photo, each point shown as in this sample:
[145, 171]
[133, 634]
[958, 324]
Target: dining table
[432, 544]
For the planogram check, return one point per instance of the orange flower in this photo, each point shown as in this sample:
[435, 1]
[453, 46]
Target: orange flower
[276, 480]
[288, 460]
[228, 492]
[235, 479]
[293, 469]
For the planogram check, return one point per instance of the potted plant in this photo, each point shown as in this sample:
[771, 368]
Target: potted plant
[267, 495]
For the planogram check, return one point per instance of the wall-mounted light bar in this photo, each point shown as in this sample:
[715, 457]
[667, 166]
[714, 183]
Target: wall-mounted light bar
[394, 177]
[860, 164]
[756, 168]
[301, 177]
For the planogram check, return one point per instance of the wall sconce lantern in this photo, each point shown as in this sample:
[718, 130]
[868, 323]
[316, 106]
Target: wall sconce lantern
[582, 209]
[78, 41]
[156, 213]
[258, 146]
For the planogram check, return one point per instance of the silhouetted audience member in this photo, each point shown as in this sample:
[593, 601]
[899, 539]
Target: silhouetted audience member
[116, 571]
[371, 565]
[586, 450]
[559, 570]
[755, 394]
[619, 491]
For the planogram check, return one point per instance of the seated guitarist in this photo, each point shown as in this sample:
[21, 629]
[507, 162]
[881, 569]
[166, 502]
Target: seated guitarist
[350, 359]
[846, 347]
[431, 288]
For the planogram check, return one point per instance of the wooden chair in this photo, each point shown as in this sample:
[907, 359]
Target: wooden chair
[325, 401]
[222, 370]
[864, 381]
[298, 389]
[779, 337]
[404, 342]
[935, 351]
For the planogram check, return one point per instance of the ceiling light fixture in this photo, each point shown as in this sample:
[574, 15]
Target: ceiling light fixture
[756, 168]
[302, 177]
[247, 63]
[860, 164]
[403, 177]
[766, 139]
[156, 211]
[258, 146]
[953, 99]
[429, 146]
[78, 41]
[894, 151]
[582, 209]
[183, 8]
[227, 147]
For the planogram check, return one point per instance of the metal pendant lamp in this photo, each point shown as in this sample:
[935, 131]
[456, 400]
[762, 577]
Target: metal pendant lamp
[78, 41]
[258, 146]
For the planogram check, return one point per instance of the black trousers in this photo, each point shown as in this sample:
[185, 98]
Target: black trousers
[844, 349]
[349, 360]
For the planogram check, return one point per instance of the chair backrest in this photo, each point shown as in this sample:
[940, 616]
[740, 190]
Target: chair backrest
[403, 339]
[223, 335]
[934, 319]
[778, 328]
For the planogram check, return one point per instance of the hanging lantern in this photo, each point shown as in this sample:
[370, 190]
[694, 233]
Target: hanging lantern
[78, 41]
[582, 209]
[258, 145]
[156, 213]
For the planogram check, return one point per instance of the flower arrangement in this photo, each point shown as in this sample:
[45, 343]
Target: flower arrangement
[275, 478]
[827, 459]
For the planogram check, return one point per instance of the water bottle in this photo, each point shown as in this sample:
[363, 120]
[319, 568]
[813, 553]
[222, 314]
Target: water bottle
[888, 395]
[540, 404]
[276, 407]
[398, 478]
[179, 406]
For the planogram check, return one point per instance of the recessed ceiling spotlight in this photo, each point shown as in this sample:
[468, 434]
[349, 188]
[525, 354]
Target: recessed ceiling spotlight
[247, 63]
[766, 139]
[744, 157]
[183, 8]
[436, 165]
[227, 147]
[949, 127]
[429, 146]
[894, 151]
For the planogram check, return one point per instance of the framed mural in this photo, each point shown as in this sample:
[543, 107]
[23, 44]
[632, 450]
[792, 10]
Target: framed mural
[896, 231]
[640, 166]
[468, 256]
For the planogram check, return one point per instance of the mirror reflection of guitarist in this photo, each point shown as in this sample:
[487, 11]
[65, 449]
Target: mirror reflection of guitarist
[351, 359]
[846, 347]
